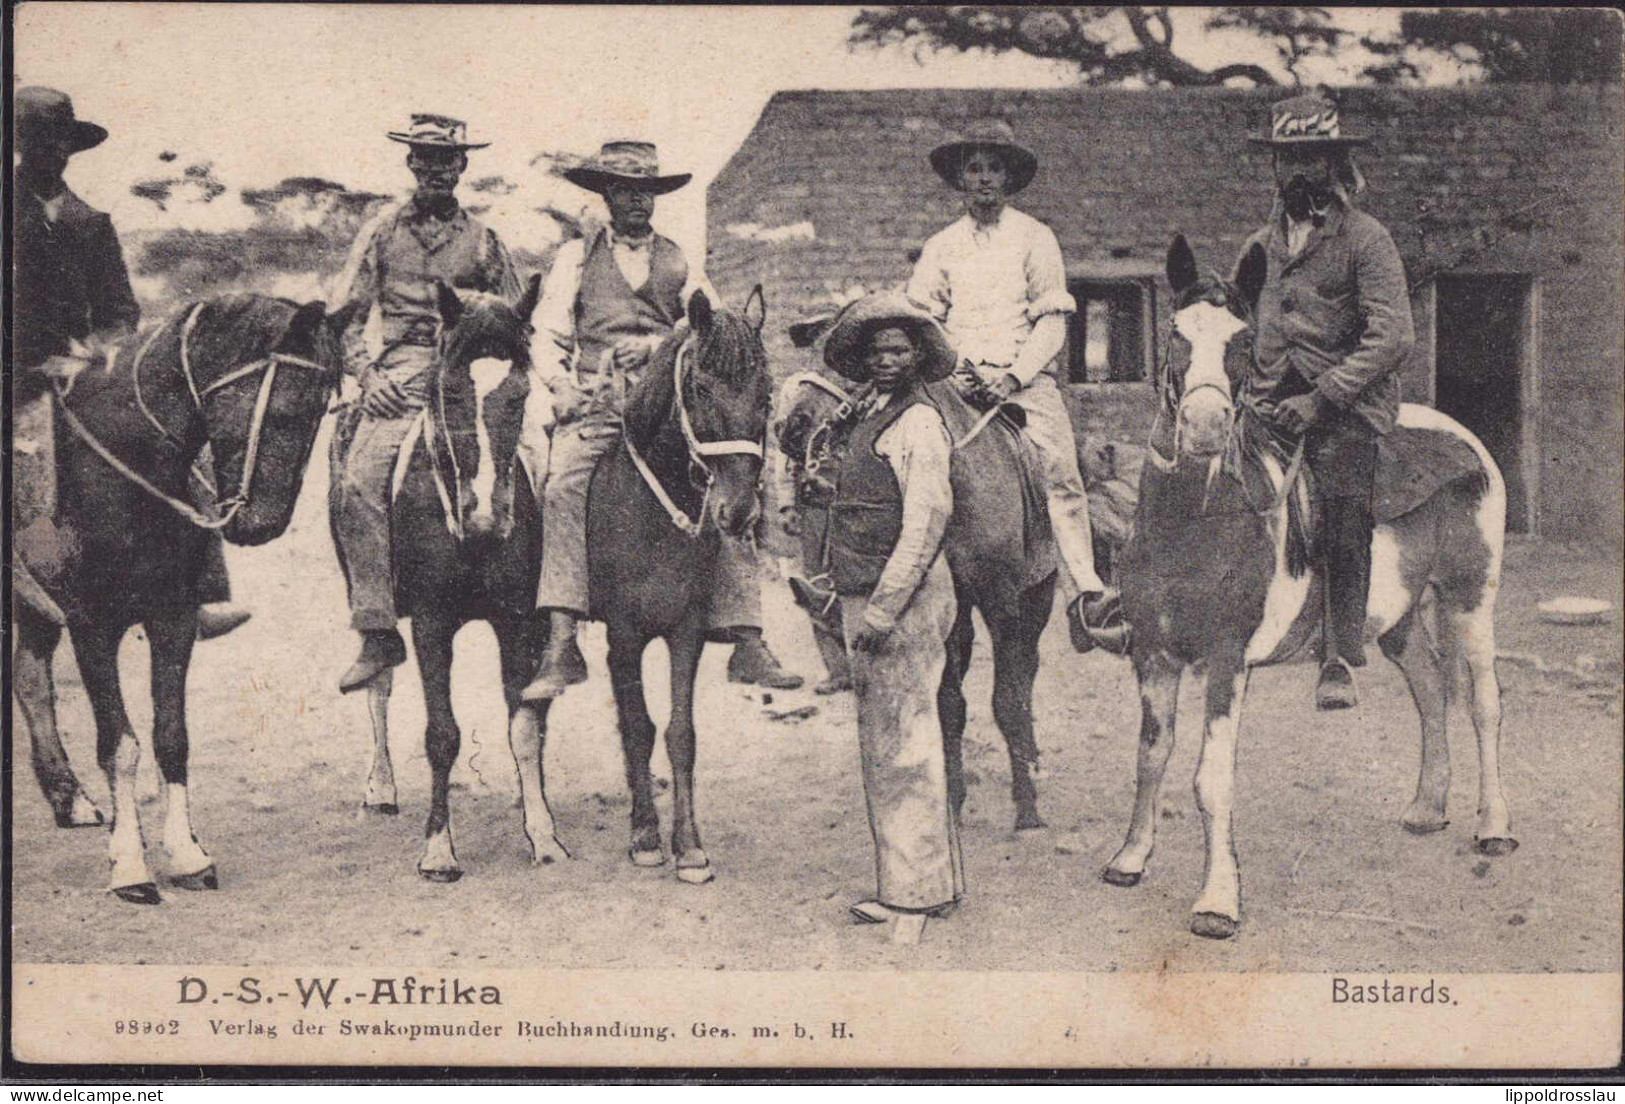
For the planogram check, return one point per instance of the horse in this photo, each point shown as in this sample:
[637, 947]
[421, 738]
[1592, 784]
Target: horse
[683, 477]
[1217, 575]
[998, 568]
[249, 376]
[467, 532]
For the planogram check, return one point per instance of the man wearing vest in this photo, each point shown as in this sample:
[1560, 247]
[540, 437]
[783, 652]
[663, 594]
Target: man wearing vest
[70, 289]
[883, 552]
[995, 280]
[393, 266]
[608, 302]
[1333, 330]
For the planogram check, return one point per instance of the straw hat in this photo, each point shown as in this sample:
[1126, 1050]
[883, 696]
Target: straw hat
[1306, 120]
[436, 132]
[848, 340]
[1020, 163]
[632, 163]
[45, 110]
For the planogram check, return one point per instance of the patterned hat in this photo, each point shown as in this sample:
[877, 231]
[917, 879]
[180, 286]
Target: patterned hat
[848, 339]
[631, 163]
[436, 132]
[42, 110]
[1310, 119]
[1020, 163]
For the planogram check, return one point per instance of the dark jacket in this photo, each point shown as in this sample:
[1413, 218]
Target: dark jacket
[1339, 314]
[69, 279]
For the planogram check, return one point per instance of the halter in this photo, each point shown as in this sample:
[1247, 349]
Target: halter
[267, 364]
[698, 450]
[810, 462]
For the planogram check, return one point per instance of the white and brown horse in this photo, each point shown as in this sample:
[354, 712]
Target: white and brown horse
[1217, 579]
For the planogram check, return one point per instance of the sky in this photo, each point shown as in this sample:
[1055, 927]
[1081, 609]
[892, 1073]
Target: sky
[267, 91]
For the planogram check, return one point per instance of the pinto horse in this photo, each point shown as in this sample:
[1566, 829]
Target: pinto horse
[1217, 575]
[996, 568]
[683, 478]
[467, 546]
[248, 375]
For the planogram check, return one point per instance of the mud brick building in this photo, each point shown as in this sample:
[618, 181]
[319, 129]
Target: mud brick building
[1506, 202]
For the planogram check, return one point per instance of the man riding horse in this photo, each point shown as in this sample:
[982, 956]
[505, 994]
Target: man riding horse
[1332, 331]
[609, 301]
[73, 301]
[394, 265]
[996, 282]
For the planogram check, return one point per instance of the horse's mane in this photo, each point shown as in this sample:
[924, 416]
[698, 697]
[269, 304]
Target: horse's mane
[482, 318]
[238, 327]
[730, 351]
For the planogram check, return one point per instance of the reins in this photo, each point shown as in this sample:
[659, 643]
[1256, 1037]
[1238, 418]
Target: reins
[267, 364]
[698, 450]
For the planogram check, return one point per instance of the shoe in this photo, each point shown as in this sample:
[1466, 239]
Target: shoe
[1096, 620]
[875, 912]
[752, 663]
[562, 667]
[835, 684]
[1336, 687]
[381, 649]
[218, 619]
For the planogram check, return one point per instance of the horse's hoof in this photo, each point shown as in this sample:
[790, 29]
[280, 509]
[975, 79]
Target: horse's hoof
[143, 893]
[74, 818]
[647, 858]
[1424, 827]
[1497, 846]
[443, 877]
[1124, 878]
[387, 809]
[1211, 925]
[694, 868]
[1030, 821]
[207, 878]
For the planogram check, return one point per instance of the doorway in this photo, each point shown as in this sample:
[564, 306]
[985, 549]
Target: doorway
[1484, 374]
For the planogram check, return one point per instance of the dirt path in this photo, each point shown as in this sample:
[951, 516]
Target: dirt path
[1331, 882]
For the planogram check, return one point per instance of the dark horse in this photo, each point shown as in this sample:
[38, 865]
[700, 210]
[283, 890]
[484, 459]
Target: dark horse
[1217, 575]
[467, 536]
[1000, 555]
[248, 375]
[684, 476]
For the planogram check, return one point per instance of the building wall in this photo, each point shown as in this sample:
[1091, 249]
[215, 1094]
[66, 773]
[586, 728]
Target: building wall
[833, 189]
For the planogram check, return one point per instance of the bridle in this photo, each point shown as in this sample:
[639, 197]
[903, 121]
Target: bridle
[698, 451]
[266, 365]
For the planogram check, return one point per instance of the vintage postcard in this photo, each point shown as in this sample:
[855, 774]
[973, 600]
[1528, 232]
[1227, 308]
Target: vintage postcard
[815, 537]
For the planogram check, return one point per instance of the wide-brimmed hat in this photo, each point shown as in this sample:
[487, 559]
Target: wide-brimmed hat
[44, 110]
[1306, 120]
[635, 164]
[847, 343]
[436, 132]
[1020, 163]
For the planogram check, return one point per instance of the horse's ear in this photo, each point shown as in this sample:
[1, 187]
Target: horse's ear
[1181, 265]
[803, 334]
[1250, 275]
[699, 312]
[756, 309]
[527, 301]
[307, 318]
[451, 307]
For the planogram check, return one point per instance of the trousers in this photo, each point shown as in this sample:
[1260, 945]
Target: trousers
[578, 446]
[1049, 427]
[826, 622]
[905, 775]
[1341, 453]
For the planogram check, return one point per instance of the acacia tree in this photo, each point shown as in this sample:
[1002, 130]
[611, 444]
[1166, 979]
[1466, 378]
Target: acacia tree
[1550, 45]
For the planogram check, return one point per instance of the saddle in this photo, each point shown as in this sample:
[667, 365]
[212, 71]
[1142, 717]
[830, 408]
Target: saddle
[1413, 464]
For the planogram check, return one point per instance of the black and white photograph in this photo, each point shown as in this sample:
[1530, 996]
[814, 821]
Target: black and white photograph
[815, 537]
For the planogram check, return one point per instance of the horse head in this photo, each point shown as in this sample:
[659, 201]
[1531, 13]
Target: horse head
[261, 415]
[722, 391]
[1209, 352]
[481, 382]
[803, 409]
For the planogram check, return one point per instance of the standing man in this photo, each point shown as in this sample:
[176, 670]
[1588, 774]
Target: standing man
[883, 551]
[995, 280]
[393, 266]
[71, 289]
[609, 301]
[1333, 329]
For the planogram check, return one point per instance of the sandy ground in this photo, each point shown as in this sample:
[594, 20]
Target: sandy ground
[1330, 880]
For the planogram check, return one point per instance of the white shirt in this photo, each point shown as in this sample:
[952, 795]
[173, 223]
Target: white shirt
[553, 347]
[1297, 234]
[918, 448]
[989, 285]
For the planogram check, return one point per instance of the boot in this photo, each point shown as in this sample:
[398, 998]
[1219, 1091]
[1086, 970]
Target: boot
[563, 665]
[381, 649]
[1096, 620]
[752, 663]
[1346, 532]
[1336, 687]
[219, 618]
